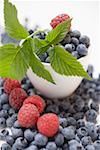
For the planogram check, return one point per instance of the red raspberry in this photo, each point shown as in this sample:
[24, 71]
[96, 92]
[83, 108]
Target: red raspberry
[11, 84]
[28, 115]
[16, 98]
[37, 101]
[58, 19]
[48, 124]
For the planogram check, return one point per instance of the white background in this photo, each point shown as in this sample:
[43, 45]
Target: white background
[85, 16]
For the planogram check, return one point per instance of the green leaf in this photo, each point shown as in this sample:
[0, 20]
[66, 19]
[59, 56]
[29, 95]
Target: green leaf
[33, 61]
[12, 25]
[11, 63]
[65, 64]
[40, 46]
[57, 34]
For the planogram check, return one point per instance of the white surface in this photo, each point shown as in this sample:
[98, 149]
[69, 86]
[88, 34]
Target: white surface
[64, 85]
[85, 18]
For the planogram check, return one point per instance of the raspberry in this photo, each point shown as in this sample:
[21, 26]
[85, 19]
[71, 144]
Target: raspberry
[16, 98]
[11, 84]
[28, 115]
[48, 124]
[58, 19]
[37, 101]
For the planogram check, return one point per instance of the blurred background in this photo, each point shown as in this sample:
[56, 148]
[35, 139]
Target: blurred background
[85, 14]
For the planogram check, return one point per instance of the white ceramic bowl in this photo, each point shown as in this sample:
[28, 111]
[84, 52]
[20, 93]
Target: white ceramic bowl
[65, 85]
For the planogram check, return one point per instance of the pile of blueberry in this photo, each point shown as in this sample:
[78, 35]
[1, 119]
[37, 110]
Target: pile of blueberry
[74, 43]
[77, 115]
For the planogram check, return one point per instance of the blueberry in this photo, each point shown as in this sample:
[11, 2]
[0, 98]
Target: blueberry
[31, 92]
[81, 132]
[10, 140]
[75, 41]
[68, 133]
[16, 132]
[74, 145]
[59, 139]
[80, 123]
[31, 31]
[78, 115]
[65, 146]
[1, 90]
[63, 122]
[21, 143]
[40, 140]
[25, 87]
[47, 60]
[3, 134]
[52, 108]
[84, 40]
[90, 147]
[29, 134]
[10, 121]
[5, 146]
[4, 113]
[82, 50]
[2, 122]
[66, 40]
[64, 106]
[75, 54]
[94, 106]
[91, 115]
[51, 146]
[71, 121]
[86, 140]
[11, 111]
[32, 147]
[97, 145]
[1, 82]
[16, 124]
[43, 57]
[4, 98]
[69, 48]
[90, 70]
[79, 104]
[92, 131]
[6, 107]
[75, 33]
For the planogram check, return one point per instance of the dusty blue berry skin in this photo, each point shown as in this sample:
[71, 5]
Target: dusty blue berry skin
[84, 40]
[69, 48]
[32, 147]
[94, 106]
[47, 60]
[11, 111]
[29, 135]
[59, 139]
[81, 132]
[86, 140]
[75, 145]
[3, 134]
[16, 132]
[92, 131]
[10, 140]
[2, 122]
[63, 122]
[40, 140]
[16, 124]
[75, 54]
[4, 113]
[1, 90]
[4, 98]
[21, 143]
[75, 41]
[71, 121]
[10, 121]
[6, 107]
[80, 123]
[97, 145]
[90, 147]
[5, 146]
[68, 133]
[82, 50]
[75, 33]
[51, 146]
[79, 104]
[91, 115]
